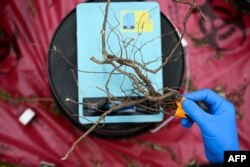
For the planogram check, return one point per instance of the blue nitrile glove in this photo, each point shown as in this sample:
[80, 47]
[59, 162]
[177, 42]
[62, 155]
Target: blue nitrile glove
[217, 124]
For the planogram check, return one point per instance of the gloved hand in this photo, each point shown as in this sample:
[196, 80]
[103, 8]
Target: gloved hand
[217, 124]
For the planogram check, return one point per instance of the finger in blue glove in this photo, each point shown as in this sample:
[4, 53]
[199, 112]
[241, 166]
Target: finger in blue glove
[186, 123]
[217, 124]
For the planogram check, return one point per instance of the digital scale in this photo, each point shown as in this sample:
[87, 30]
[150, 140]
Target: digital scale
[131, 26]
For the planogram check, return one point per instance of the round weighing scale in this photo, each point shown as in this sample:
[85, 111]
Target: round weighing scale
[64, 86]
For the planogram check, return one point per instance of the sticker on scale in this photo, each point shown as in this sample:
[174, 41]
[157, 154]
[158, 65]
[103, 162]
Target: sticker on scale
[136, 21]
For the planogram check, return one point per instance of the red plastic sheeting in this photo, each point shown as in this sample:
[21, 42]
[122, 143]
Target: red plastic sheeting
[218, 54]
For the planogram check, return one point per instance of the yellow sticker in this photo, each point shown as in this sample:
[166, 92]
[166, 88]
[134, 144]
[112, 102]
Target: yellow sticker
[136, 21]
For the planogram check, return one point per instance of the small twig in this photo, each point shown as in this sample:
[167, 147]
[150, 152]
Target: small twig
[74, 76]
[87, 132]
[114, 108]
[99, 126]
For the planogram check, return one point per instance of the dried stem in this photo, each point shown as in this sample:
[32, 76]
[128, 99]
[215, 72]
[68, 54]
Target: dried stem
[141, 84]
[114, 108]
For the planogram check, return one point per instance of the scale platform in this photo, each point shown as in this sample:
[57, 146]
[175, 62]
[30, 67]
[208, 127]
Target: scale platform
[133, 31]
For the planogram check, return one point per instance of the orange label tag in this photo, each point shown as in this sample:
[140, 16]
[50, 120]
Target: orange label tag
[180, 113]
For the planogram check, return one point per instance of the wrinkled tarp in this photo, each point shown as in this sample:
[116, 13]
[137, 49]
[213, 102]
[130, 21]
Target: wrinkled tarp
[218, 58]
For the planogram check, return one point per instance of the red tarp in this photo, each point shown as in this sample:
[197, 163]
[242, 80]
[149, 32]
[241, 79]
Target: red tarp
[218, 54]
